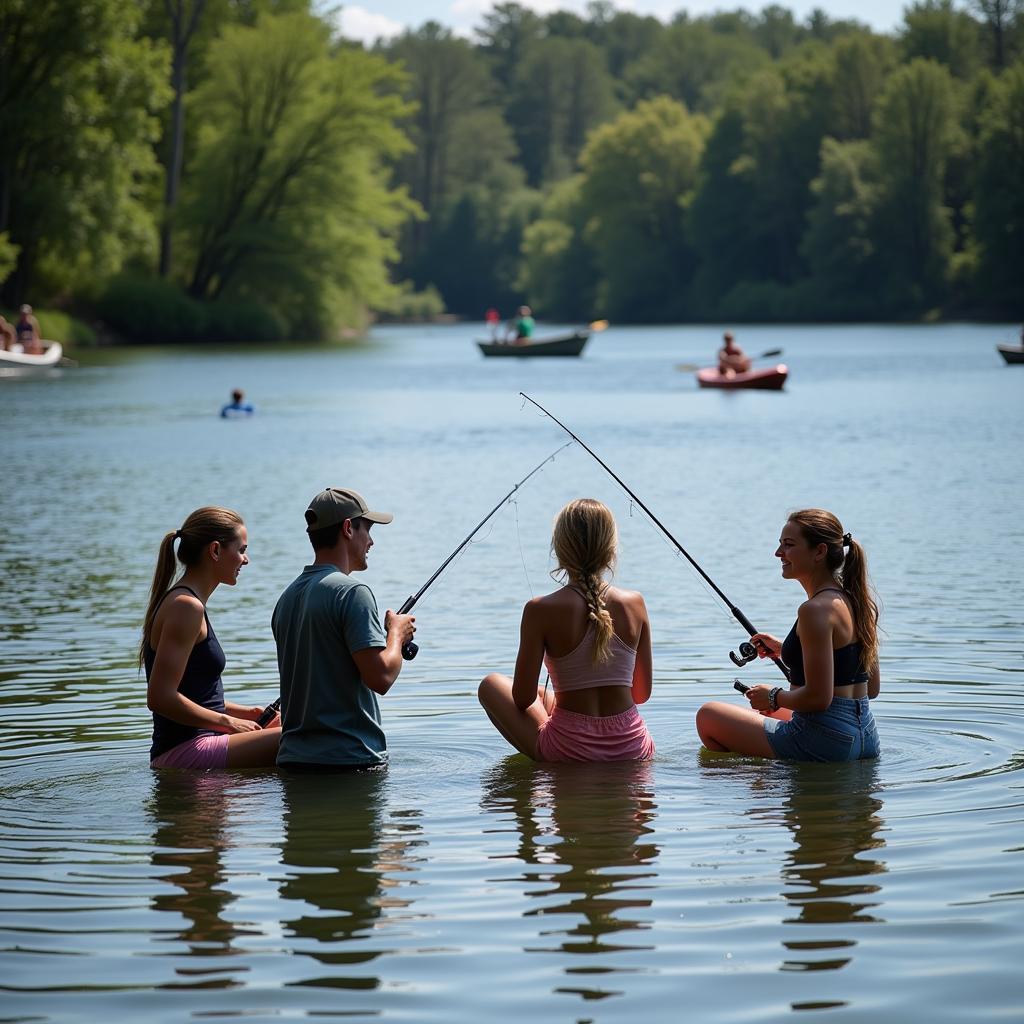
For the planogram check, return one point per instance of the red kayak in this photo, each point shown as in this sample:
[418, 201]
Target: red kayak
[770, 379]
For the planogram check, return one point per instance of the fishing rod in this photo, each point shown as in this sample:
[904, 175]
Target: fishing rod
[410, 648]
[747, 650]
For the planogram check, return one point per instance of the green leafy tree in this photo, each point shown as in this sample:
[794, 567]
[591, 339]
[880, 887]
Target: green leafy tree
[915, 132]
[639, 172]
[78, 97]
[936, 30]
[748, 216]
[838, 245]
[999, 195]
[288, 202]
[1000, 17]
[458, 134]
[862, 62]
[508, 32]
[559, 274]
[560, 93]
[692, 63]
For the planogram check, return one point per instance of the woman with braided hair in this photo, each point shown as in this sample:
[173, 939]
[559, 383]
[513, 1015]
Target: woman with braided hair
[193, 726]
[595, 642]
[831, 653]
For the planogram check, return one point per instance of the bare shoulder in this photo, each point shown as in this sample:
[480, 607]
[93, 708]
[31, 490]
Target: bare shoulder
[182, 609]
[814, 615]
[629, 597]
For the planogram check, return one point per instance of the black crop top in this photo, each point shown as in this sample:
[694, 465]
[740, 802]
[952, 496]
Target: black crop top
[846, 664]
[200, 682]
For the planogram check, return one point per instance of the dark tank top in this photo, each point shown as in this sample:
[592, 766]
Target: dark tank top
[846, 665]
[200, 683]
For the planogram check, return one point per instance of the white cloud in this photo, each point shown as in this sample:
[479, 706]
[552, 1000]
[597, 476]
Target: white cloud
[366, 27]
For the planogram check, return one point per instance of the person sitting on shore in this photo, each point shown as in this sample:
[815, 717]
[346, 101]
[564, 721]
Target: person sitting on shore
[594, 640]
[731, 358]
[237, 406]
[27, 330]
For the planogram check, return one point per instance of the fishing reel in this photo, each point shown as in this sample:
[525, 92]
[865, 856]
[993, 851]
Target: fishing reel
[748, 652]
[410, 649]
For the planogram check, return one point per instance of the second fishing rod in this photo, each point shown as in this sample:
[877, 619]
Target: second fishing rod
[747, 650]
[410, 648]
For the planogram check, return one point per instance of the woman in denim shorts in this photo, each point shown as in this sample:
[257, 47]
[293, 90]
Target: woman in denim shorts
[831, 653]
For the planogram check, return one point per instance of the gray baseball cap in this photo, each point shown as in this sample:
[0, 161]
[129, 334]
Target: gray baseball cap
[336, 504]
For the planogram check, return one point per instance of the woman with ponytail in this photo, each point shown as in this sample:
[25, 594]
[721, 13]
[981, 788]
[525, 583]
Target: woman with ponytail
[193, 726]
[831, 653]
[595, 642]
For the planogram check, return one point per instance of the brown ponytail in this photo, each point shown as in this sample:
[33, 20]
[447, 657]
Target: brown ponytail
[850, 571]
[202, 527]
[584, 541]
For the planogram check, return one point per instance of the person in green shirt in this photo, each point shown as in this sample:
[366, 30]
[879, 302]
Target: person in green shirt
[524, 326]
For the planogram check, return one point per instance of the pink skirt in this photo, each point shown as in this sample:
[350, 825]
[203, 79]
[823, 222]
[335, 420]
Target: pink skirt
[569, 736]
[199, 754]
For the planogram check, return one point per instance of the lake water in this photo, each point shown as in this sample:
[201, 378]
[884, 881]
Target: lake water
[463, 883]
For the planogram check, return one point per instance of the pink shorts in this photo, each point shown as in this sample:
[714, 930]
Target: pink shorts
[201, 753]
[569, 736]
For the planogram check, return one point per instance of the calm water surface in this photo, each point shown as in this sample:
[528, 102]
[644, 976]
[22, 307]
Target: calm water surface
[463, 883]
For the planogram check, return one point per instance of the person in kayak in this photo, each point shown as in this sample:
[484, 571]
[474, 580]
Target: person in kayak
[731, 358]
[831, 652]
[193, 725]
[595, 641]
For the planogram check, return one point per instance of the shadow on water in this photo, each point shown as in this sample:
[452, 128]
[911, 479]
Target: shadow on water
[584, 838]
[191, 831]
[831, 877]
[339, 857]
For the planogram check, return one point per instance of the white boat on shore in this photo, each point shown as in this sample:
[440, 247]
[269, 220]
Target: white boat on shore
[17, 363]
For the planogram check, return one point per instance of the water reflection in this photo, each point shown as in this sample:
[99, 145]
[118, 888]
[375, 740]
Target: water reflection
[831, 876]
[583, 835]
[191, 819]
[339, 856]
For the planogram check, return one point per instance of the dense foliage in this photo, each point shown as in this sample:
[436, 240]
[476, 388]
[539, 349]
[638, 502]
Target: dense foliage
[192, 169]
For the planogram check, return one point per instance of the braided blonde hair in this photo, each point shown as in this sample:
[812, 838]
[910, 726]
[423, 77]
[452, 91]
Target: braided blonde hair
[583, 541]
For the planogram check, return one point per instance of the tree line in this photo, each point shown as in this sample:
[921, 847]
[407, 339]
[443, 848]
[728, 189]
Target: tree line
[233, 168]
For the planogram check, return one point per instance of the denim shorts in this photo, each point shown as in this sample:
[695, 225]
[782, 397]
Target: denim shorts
[845, 731]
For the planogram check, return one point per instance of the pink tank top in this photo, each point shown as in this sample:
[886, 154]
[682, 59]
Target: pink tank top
[577, 671]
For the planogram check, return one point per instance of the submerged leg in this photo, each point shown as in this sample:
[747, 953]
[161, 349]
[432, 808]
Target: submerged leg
[728, 727]
[520, 728]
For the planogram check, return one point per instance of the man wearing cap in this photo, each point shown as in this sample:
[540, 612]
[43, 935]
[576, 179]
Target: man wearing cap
[333, 655]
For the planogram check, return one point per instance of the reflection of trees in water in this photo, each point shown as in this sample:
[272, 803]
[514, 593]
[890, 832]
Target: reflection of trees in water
[598, 816]
[190, 812]
[829, 877]
[339, 862]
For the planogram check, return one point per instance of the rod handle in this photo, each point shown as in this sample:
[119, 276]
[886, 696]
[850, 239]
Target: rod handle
[267, 714]
[737, 685]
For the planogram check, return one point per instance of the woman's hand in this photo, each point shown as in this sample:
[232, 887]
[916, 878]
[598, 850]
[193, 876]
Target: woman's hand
[767, 646]
[229, 724]
[759, 698]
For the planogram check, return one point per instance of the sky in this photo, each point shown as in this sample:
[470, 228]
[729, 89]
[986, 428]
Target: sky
[368, 20]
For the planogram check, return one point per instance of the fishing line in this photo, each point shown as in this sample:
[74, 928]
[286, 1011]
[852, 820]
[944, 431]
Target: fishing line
[747, 650]
[410, 648]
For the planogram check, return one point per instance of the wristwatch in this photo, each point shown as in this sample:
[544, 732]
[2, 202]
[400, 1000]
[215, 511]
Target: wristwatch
[773, 697]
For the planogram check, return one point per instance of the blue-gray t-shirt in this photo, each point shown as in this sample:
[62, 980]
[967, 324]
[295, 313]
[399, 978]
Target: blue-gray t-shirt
[328, 714]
